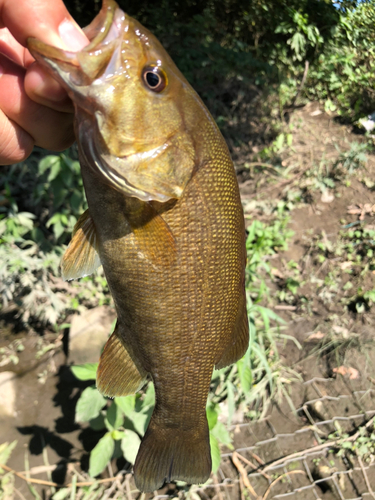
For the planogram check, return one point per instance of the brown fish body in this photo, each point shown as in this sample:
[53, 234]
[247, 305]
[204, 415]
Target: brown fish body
[175, 268]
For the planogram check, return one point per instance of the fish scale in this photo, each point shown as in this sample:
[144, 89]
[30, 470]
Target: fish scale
[165, 220]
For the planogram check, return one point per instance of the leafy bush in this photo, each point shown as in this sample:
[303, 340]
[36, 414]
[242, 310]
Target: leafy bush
[33, 232]
[344, 72]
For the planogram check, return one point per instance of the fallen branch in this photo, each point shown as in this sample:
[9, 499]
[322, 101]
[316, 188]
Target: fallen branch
[241, 469]
[56, 485]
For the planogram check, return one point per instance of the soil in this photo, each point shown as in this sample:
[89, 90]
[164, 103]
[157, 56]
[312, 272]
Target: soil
[337, 358]
[336, 361]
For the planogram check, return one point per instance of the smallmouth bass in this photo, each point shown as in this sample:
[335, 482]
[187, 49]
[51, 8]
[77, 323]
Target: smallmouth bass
[165, 220]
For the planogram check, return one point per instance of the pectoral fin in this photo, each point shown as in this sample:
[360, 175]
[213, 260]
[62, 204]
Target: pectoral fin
[81, 257]
[154, 237]
[240, 339]
[117, 373]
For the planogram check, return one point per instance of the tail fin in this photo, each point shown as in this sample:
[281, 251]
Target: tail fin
[166, 454]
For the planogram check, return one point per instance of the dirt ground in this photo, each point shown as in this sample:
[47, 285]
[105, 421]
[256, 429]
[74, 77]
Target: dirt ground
[336, 362]
[300, 450]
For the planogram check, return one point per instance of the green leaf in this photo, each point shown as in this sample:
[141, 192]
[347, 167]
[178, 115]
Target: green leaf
[260, 354]
[215, 453]
[58, 230]
[230, 401]
[85, 372]
[138, 421]
[114, 418]
[126, 403]
[221, 434]
[97, 423]
[101, 455]
[5, 451]
[149, 399]
[47, 163]
[55, 168]
[61, 494]
[244, 370]
[53, 220]
[89, 405]
[130, 446]
[212, 415]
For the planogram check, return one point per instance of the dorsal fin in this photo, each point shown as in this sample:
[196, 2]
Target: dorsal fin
[117, 373]
[154, 237]
[81, 257]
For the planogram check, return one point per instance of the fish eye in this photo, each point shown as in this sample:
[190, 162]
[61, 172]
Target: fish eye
[154, 78]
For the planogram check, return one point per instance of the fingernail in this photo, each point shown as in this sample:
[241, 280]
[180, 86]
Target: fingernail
[72, 36]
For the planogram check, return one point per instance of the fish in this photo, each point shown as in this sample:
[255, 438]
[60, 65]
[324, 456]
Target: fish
[165, 221]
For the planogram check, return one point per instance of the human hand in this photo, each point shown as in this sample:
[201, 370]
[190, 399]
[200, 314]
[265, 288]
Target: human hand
[34, 108]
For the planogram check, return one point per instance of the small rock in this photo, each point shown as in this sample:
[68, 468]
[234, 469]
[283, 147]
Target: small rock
[347, 370]
[327, 197]
[315, 337]
[346, 265]
[88, 334]
[8, 394]
[341, 330]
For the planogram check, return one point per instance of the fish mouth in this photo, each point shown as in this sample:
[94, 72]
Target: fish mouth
[76, 71]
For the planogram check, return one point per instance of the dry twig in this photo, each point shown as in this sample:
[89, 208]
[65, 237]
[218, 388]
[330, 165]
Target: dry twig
[217, 487]
[51, 483]
[319, 447]
[241, 469]
[252, 465]
[284, 183]
[264, 497]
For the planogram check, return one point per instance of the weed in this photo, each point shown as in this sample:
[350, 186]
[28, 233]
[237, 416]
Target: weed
[363, 446]
[264, 242]
[350, 160]
[31, 240]
[326, 174]
[10, 353]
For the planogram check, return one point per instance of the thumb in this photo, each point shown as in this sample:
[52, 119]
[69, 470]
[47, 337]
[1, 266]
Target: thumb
[47, 20]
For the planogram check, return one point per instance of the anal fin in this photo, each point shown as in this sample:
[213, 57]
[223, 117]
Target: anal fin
[81, 257]
[240, 340]
[117, 373]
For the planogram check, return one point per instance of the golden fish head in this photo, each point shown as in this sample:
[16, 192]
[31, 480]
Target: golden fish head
[135, 111]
